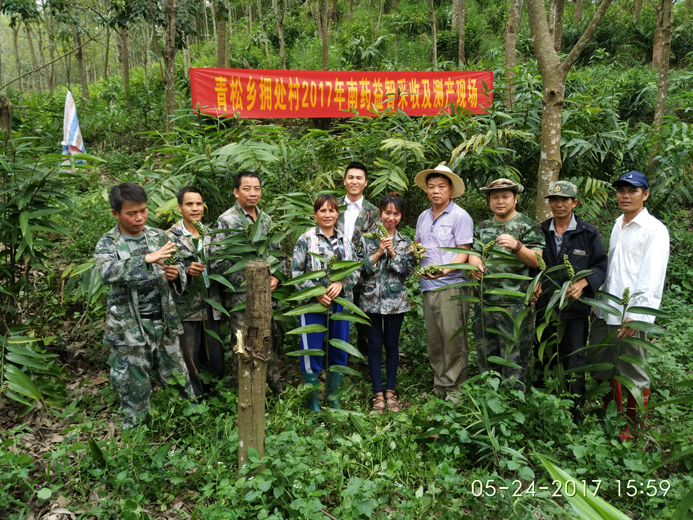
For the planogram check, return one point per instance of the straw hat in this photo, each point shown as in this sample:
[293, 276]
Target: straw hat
[457, 183]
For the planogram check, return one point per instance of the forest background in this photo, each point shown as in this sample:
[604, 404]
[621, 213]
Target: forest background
[624, 103]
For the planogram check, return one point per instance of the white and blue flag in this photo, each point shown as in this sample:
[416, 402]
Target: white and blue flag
[72, 136]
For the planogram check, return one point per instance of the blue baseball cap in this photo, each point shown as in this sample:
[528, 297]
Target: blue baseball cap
[634, 178]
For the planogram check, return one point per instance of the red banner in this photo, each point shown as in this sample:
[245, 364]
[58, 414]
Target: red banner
[255, 93]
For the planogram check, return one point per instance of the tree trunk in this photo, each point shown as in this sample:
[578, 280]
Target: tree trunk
[36, 76]
[667, 19]
[688, 4]
[106, 51]
[637, 7]
[5, 119]
[124, 58]
[204, 17]
[48, 17]
[459, 16]
[657, 46]
[252, 364]
[170, 9]
[41, 54]
[214, 17]
[434, 30]
[351, 9]
[259, 10]
[320, 14]
[511, 30]
[222, 60]
[281, 19]
[556, 9]
[333, 10]
[553, 77]
[15, 37]
[2, 72]
[80, 64]
[579, 4]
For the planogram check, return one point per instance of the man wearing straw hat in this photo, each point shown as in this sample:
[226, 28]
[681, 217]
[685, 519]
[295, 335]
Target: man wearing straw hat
[509, 236]
[444, 224]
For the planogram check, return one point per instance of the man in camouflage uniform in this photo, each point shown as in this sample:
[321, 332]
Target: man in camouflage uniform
[358, 218]
[200, 342]
[244, 214]
[507, 232]
[142, 326]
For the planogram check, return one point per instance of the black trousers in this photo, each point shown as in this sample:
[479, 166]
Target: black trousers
[197, 351]
[575, 331]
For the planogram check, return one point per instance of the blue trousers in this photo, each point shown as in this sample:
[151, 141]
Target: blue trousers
[384, 329]
[338, 329]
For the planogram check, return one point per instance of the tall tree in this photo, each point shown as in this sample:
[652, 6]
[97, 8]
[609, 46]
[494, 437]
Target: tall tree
[34, 60]
[556, 10]
[124, 59]
[79, 54]
[320, 15]
[459, 21]
[280, 7]
[637, 7]
[169, 55]
[222, 15]
[553, 76]
[665, 23]
[434, 29]
[579, 4]
[511, 29]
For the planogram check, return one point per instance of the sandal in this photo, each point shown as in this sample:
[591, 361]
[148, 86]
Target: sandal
[392, 402]
[378, 403]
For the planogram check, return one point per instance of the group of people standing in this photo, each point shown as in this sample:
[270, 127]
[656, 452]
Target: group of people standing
[503, 253]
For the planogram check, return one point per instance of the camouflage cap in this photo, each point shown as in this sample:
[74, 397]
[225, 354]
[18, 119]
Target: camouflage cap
[562, 189]
[503, 184]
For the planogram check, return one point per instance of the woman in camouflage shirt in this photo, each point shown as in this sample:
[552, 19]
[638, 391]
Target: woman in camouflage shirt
[388, 264]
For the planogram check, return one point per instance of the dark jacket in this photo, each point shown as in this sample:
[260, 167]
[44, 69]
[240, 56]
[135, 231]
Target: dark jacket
[586, 252]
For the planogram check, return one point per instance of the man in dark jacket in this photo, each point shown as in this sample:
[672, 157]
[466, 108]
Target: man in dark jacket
[568, 236]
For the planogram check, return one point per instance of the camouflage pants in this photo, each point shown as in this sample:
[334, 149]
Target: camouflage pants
[236, 322]
[490, 344]
[131, 366]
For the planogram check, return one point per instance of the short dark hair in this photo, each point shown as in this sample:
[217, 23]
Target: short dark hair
[126, 191]
[434, 175]
[395, 199]
[356, 165]
[322, 199]
[244, 173]
[187, 189]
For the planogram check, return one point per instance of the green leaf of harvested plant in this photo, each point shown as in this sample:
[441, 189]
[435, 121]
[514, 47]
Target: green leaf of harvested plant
[602, 306]
[307, 329]
[310, 308]
[348, 316]
[345, 370]
[313, 275]
[500, 361]
[311, 292]
[19, 382]
[306, 352]
[346, 347]
[349, 305]
[216, 305]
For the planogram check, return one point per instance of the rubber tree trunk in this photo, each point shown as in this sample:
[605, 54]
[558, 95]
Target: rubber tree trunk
[280, 8]
[333, 10]
[5, 119]
[434, 30]
[579, 4]
[665, 7]
[169, 53]
[124, 58]
[556, 10]
[48, 18]
[637, 7]
[252, 363]
[511, 30]
[79, 54]
[553, 77]
[34, 61]
[459, 20]
[323, 29]
[222, 59]
[689, 4]
[15, 37]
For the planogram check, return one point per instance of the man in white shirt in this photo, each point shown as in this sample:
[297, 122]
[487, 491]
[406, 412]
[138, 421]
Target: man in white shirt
[638, 256]
[358, 218]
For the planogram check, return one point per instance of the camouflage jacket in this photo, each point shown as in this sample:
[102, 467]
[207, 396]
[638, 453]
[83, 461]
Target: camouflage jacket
[383, 290]
[235, 220]
[192, 310]
[367, 218]
[520, 227]
[121, 272]
[315, 241]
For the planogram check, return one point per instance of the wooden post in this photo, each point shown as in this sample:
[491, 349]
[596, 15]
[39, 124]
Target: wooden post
[252, 362]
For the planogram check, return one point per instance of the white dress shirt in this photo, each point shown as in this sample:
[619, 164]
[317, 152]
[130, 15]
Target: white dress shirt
[638, 256]
[350, 216]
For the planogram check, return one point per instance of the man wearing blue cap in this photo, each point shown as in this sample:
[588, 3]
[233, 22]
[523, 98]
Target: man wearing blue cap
[567, 236]
[638, 256]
